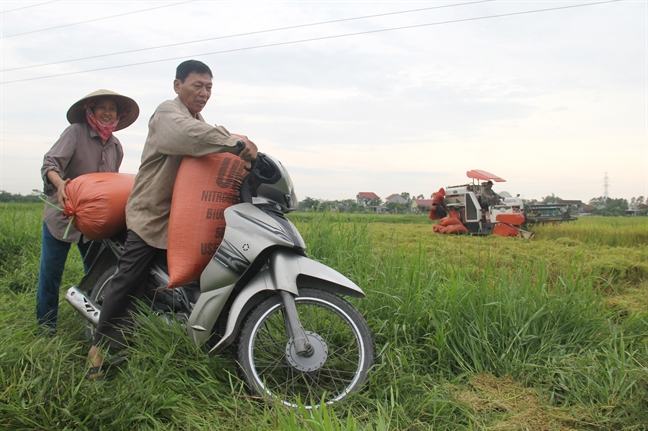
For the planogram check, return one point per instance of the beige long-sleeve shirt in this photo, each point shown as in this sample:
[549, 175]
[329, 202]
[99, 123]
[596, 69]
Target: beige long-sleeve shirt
[173, 133]
[78, 151]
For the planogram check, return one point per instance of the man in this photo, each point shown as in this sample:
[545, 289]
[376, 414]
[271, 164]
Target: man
[489, 196]
[176, 129]
[438, 209]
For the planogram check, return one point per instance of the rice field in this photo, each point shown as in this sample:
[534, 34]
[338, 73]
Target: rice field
[472, 333]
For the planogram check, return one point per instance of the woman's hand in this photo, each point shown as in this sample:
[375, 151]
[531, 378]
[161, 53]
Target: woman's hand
[60, 193]
[59, 183]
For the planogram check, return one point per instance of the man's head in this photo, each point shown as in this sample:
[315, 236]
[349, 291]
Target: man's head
[193, 84]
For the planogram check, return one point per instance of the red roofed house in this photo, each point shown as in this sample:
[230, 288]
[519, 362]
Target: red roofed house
[368, 199]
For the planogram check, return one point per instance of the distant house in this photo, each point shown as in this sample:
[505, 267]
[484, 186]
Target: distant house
[586, 209]
[368, 199]
[396, 199]
[422, 205]
[636, 212]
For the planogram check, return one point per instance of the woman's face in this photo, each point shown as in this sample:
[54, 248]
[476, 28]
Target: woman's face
[105, 110]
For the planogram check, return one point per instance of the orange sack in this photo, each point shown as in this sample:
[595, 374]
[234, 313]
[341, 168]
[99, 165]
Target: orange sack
[503, 229]
[514, 219]
[438, 196]
[97, 202]
[204, 188]
[449, 221]
[456, 229]
[453, 228]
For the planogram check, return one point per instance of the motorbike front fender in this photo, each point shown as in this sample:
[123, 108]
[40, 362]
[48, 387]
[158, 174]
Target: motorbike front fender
[289, 272]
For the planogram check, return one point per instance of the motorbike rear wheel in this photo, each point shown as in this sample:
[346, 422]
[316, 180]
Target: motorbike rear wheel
[342, 353]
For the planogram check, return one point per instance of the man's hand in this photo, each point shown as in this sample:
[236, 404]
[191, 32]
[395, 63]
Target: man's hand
[249, 152]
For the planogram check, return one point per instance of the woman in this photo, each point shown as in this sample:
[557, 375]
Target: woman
[87, 145]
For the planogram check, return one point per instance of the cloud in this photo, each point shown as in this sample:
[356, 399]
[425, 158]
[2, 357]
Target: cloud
[549, 101]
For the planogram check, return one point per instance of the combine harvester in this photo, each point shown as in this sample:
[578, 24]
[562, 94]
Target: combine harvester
[476, 209]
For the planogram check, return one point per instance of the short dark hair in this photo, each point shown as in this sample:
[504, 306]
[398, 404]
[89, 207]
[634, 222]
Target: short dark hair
[190, 66]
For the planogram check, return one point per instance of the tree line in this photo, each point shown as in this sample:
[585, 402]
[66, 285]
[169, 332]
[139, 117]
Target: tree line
[597, 206]
[12, 197]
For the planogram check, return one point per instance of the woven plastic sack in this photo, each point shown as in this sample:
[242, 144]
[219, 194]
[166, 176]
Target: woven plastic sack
[438, 196]
[449, 221]
[455, 229]
[204, 188]
[97, 203]
[450, 229]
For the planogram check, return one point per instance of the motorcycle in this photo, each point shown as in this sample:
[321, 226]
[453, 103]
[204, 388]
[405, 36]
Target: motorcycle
[297, 340]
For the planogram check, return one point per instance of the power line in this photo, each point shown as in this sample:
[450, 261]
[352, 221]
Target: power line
[27, 7]
[229, 36]
[95, 19]
[293, 42]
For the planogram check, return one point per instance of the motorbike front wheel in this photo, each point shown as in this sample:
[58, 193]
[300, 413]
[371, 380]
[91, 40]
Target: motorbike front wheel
[342, 350]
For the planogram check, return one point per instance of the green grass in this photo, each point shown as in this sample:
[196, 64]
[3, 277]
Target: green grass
[359, 217]
[463, 326]
[611, 231]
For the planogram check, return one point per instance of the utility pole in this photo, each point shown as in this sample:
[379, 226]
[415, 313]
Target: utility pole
[606, 185]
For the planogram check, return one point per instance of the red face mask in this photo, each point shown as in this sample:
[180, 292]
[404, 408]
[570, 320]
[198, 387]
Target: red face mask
[104, 130]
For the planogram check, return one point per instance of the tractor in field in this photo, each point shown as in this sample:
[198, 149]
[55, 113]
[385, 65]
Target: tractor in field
[476, 209]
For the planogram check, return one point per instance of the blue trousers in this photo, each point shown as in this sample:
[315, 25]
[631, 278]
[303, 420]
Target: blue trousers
[52, 262]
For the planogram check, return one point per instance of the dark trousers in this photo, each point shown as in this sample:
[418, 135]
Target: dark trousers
[128, 284]
[52, 262]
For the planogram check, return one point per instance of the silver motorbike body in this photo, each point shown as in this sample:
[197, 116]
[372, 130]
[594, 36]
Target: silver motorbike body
[261, 252]
[260, 273]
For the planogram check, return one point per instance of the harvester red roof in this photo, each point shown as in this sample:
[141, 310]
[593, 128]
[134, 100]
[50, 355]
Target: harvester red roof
[478, 174]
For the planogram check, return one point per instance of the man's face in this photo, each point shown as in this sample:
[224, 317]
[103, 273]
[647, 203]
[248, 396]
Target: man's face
[194, 91]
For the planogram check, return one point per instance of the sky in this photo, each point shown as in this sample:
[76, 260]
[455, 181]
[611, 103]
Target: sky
[551, 101]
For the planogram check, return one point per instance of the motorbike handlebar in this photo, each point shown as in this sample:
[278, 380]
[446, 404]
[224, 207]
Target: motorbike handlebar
[265, 170]
[240, 146]
[262, 171]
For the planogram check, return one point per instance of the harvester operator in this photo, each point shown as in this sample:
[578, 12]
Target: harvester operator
[489, 197]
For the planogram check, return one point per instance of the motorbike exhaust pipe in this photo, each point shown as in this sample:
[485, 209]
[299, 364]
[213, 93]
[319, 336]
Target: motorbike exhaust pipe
[83, 305]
